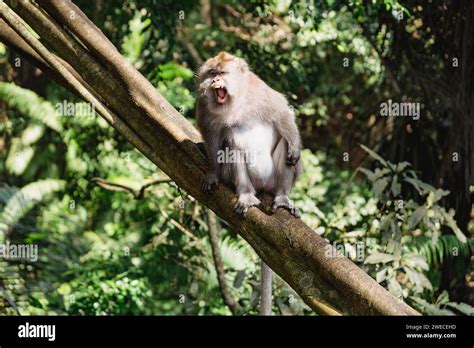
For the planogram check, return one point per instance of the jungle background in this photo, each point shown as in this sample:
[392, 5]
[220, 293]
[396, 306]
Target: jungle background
[116, 236]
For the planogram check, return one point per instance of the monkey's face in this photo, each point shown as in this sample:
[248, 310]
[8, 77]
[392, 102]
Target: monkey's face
[221, 79]
[219, 85]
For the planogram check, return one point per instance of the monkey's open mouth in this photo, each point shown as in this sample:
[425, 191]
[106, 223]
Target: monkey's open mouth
[221, 94]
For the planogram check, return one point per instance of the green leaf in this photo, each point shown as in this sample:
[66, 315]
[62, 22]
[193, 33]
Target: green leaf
[462, 307]
[368, 173]
[378, 258]
[425, 281]
[380, 173]
[453, 225]
[414, 278]
[416, 216]
[413, 260]
[380, 186]
[434, 197]
[429, 308]
[396, 187]
[19, 157]
[30, 104]
[22, 200]
[401, 166]
[133, 43]
[420, 186]
[395, 288]
[443, 298]
[374, 155]
[170, 71]
[381, 275]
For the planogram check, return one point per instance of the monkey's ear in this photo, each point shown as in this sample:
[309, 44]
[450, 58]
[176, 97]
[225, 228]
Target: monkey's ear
[242, 64]
[201, 70]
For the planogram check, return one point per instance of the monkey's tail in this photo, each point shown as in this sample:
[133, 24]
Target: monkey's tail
[266, 289]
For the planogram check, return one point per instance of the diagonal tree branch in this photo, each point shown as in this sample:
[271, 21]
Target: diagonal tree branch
[328, 284]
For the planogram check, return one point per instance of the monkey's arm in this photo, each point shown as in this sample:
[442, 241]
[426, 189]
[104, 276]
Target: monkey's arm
[286, 127]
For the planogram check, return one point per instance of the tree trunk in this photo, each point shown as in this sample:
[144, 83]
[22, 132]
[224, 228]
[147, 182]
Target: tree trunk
[266, 278]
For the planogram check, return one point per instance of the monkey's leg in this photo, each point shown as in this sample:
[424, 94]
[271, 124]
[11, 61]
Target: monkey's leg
[265, 289]
[244, 189]
[286, 175]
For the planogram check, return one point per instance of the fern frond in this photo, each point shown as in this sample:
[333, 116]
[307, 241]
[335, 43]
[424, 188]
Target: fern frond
[19, 156]
[30, 104]
[234, 254]
[19, 202]
[445, 246]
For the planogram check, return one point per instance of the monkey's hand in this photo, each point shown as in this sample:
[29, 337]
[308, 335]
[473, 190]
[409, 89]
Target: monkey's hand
[293, 156]
[211, 182]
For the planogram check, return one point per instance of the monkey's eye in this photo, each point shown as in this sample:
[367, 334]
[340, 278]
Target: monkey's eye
[215, 72]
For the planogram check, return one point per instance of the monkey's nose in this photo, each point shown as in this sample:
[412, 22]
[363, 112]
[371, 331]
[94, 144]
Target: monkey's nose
[217, 82]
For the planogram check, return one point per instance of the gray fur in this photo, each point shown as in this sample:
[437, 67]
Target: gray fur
[254, 120]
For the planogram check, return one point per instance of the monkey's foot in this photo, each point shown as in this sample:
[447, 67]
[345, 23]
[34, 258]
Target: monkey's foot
[246, 200]
[285, 202]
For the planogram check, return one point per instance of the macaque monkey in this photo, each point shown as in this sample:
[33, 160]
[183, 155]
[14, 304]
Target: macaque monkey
[251, 139]
[239, 115]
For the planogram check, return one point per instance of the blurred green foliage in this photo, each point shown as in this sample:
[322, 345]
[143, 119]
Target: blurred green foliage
[103, 252]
